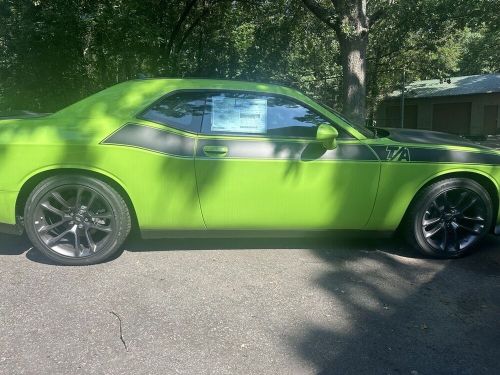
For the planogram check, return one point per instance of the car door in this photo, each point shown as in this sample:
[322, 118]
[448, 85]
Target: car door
[258, 166]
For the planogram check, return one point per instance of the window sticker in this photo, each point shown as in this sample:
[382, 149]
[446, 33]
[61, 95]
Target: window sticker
[237, 115]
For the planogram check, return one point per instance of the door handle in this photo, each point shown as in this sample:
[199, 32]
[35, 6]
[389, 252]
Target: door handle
[217, 151]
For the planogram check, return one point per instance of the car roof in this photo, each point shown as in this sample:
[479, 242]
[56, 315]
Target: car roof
[208, 83]
[127, 98]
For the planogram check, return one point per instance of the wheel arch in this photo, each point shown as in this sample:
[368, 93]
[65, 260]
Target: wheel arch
[32, 181]
[485, 180]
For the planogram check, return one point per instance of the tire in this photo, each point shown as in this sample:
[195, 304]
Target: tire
[449, 218]
[76, 220]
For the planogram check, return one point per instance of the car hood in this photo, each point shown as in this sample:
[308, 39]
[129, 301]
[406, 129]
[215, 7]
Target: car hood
[427, 137]
[409, 145]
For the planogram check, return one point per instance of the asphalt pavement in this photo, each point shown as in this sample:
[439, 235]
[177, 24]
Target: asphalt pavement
[261, 306]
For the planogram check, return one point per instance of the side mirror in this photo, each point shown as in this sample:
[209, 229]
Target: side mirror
[327, 135]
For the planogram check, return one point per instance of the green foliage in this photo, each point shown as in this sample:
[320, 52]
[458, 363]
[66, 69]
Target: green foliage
[54, 52]
[481, 52]
[431, 39]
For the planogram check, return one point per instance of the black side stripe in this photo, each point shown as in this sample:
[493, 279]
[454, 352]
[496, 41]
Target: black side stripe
[428, 155]
[152, 139]
[284, 150]
[157, 140]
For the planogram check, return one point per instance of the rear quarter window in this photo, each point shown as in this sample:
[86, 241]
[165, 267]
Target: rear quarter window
[182, 110]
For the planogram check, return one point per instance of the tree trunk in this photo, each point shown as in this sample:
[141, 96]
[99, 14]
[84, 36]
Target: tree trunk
[353, 54]
[373, 88]
[352, 31]
[349, 20]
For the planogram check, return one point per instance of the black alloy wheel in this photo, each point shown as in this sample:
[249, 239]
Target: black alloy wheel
[450, 217]
[76, 219]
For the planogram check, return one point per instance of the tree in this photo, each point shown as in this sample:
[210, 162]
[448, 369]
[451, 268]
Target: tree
[53, 53]
[351, 23]
[402, 28]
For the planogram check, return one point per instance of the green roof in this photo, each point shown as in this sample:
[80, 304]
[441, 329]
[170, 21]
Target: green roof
[128, 97]
[454, 86]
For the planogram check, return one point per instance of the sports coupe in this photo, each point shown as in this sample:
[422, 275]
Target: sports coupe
[196, 157]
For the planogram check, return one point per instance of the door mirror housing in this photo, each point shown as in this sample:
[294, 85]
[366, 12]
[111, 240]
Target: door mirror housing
[327, 135]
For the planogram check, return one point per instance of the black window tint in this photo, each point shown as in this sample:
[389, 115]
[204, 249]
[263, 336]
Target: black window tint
[262, 114]
[183, 110]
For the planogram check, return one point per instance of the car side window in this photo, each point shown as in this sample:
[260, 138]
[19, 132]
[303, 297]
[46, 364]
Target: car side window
[182, 110]
[237, 113]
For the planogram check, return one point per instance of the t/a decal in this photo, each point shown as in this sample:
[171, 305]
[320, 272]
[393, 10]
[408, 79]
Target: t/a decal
[395, 153]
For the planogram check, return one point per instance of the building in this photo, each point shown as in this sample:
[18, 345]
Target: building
[467, 105]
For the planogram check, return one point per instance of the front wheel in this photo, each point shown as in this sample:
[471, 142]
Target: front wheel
[76, 220]
[449, 217]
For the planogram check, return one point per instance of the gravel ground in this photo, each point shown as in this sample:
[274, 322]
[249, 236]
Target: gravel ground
[280, 306]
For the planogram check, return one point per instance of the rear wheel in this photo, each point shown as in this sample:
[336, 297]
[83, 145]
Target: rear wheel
[76, 220]
[449, 218]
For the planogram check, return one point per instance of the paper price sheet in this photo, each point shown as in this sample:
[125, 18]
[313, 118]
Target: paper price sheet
[237, 115]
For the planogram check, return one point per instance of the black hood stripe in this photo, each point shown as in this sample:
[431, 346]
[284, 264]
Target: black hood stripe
[429, 155]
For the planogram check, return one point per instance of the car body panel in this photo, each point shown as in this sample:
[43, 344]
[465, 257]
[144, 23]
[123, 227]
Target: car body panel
[295, 184]
[262, 183]
[400, 182]
[403, 176]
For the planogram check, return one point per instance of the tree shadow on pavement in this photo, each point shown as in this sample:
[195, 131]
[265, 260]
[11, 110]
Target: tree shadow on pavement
[389, 310]
[339, 243]
[398, 315]
[14, 245]
[18, 245]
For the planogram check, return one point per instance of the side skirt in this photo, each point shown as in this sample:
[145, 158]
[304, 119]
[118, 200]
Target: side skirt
[156, 234]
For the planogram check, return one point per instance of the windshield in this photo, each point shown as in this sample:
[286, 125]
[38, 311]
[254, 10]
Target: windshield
[367, 132]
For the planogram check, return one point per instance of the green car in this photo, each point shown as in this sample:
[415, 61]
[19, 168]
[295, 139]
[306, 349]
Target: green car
[196, 157]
